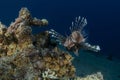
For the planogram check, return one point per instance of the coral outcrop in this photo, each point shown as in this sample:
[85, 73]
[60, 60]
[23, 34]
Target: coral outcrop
[97, 76]
[24, 56]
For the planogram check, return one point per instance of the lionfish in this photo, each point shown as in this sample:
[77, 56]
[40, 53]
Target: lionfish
[77, 38]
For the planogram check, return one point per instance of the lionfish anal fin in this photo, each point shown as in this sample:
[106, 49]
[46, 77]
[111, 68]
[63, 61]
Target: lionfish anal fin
[76, 52]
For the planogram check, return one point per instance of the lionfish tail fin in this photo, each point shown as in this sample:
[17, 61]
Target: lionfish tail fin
[78, 24]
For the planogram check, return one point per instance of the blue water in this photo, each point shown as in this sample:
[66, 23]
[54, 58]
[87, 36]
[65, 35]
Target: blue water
[103, 18]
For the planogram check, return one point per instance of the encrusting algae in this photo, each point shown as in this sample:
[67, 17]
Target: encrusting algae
[24, 56]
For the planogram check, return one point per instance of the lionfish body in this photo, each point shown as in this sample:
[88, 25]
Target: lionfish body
[73, 40]
[76, 39]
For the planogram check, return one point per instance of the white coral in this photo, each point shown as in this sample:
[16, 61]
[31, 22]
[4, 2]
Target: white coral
[49, 74]
[97, 76]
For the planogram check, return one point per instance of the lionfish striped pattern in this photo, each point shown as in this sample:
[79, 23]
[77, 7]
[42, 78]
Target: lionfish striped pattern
[76, 36]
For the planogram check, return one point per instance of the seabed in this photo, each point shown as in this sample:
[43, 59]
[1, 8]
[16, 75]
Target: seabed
[88, 64]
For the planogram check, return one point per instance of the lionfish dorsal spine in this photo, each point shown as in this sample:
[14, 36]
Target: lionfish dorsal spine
[83, 23]
[78, 24]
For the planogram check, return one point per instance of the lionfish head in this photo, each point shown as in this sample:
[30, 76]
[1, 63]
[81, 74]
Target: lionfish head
[68, 43]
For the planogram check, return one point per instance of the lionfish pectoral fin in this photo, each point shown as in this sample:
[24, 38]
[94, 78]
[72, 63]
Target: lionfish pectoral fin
[87, 46]
[59, 38]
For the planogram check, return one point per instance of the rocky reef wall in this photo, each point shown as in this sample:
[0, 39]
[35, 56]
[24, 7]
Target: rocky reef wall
[24, 56]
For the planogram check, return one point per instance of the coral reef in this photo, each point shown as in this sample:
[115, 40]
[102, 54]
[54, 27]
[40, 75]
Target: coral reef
[24, 56]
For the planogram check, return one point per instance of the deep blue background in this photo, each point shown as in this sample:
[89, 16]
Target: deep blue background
[103, 18]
